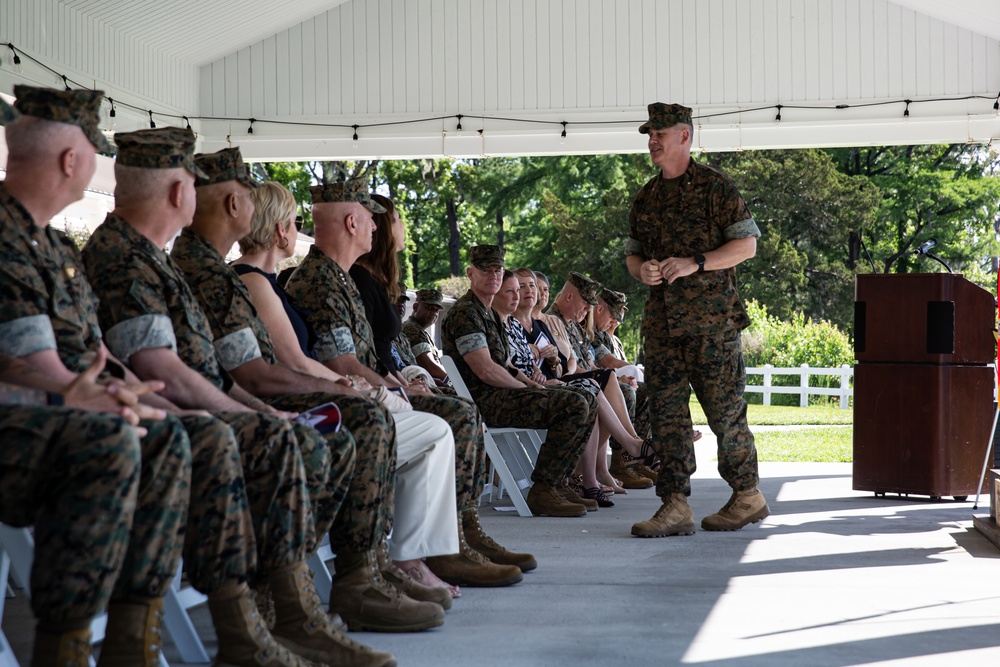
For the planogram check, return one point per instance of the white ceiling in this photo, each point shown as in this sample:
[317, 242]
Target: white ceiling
[199, 31]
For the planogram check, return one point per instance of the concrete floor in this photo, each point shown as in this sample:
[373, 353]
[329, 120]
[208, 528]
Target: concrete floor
[832, 578]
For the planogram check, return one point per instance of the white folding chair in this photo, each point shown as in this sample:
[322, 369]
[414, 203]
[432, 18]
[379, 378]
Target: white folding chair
[17, 553]
[322, 579]
[512, 451]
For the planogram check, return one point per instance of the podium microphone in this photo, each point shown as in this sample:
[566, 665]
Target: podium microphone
[925, 246]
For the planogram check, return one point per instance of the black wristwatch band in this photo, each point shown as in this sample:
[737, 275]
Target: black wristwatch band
[700, 261]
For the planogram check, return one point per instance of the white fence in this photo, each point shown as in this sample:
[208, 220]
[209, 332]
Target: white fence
[804, 390]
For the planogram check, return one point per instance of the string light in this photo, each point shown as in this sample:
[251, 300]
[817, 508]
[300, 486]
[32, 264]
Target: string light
[16, 59]
[112, 114]
[69, 83]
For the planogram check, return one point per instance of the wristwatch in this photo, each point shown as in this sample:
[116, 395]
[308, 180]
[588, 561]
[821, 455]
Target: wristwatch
[699, 259]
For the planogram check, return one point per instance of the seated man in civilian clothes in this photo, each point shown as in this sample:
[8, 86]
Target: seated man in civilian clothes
[154, 323]
[416, 328]
[48, 317]
[342, 213]
[474, 337]
[222, 216]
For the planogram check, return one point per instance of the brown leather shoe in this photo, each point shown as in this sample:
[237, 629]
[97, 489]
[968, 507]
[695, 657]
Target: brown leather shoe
[487, 546]
[743, 507]
[406, 584]
[567, 492]
[545, 500]
[366, 601]
[673, 518]
[470, 568]
[630, 478]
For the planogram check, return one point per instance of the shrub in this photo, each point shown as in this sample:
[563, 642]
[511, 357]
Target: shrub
[789, 344]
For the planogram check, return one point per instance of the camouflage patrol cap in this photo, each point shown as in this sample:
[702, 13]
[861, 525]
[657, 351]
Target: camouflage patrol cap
[431, 297]
[615, 301]
[76, 107]
[222, 166]
[8, 114]
[484, 256]
[345, 189]
[158, 148]
[588, 288]
[403, 296]
[662, 116]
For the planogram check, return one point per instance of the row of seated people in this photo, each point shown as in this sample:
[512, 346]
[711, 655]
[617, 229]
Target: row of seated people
[221, 468]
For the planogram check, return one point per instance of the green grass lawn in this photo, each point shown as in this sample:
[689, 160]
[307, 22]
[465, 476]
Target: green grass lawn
[829, 437]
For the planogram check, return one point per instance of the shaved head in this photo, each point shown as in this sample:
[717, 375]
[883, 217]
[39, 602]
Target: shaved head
[33, 140]
[138, 185]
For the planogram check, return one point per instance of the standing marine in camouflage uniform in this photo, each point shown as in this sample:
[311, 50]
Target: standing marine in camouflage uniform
[246, 351]
[153, 323]
[475, 338]
[346, 345]
[426, 309]
[688, 228]
[85, 480]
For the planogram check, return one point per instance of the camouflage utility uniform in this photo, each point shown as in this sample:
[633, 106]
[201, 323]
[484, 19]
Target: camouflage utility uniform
[338, 318]
[230, 311]
[46, 303]
[567, 414]
[145, 304]
[109, 512]
[420, 340]
[692, 327]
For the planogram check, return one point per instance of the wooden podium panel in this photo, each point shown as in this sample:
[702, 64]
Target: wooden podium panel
[921, 429]
[938, 318]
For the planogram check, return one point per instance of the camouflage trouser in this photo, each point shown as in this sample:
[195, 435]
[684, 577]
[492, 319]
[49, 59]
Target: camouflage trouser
[470, 450]
[713, 366]
[103, 504]
[567, 414]
[363, 499]
[220, 547]
[277, 485]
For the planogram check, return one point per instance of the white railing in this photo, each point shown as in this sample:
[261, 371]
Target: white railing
[804, 390]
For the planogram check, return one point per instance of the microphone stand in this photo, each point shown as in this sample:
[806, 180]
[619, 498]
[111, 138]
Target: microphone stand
[939, 260]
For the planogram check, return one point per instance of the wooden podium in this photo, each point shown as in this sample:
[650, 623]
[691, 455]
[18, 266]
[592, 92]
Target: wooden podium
[923, 389]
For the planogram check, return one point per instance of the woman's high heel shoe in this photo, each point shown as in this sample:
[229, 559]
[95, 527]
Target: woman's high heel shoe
[595, 493]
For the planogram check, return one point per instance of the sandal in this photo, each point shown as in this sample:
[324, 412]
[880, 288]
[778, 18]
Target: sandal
[595, 493]
[648, 457]
[696, 436]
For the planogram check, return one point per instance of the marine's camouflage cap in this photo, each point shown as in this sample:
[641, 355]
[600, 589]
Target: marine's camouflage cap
[662, 116]
[484, 256]
[8, 114]
[430, 296]
[345, 189]
[158, 148]
[222, 166]
[403, 296]
[588, 288]
[76, 107]
[615, 301]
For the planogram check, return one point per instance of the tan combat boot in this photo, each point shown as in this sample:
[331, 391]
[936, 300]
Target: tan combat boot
[470, 568]
[260, 592]
[70, 648]
[244, 640]
[567, 492]
[638, 467]
[304, 627]
[477, 538]
[743, 507]
[673, 518]
[545, 500]
[630, 478]
[366, 601]
[406, 584]
[134, 634]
